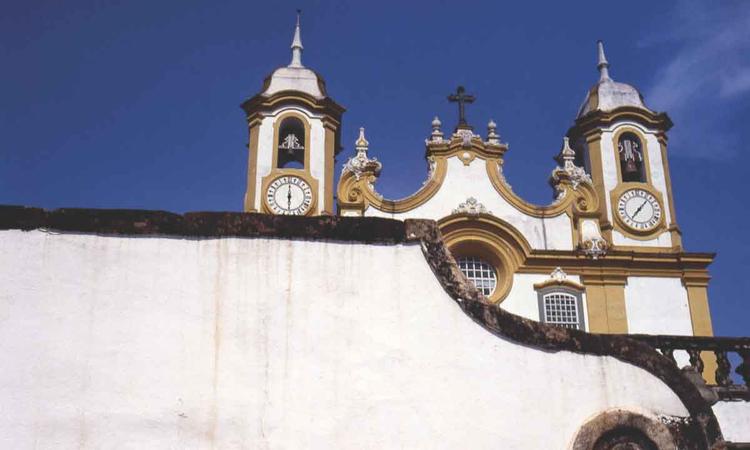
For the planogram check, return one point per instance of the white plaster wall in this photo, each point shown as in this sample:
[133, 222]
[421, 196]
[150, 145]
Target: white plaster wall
[662, 240]
[657, 306]
[462, 182]
[266, 145]
[611, 180]
[734, 418]
[148, 342]
[523, 299]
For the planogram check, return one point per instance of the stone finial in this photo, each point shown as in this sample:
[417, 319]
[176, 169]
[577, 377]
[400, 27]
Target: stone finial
[437, 134]
[297, 44]
[602, 64]
[576, 175]
[361, 163]
[492, 136]
[361, 144]
[567, 154]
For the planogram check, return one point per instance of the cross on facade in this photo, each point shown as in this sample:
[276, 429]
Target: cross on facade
[461, 98]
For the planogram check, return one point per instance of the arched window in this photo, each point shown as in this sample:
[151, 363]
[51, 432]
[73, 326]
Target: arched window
[479, 272]
[630, 149]
[291, 145]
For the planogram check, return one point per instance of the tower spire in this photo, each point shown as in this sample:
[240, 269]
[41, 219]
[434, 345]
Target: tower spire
[297, 44]
[603, 65]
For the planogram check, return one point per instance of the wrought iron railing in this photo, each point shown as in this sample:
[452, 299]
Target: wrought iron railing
[725, 349]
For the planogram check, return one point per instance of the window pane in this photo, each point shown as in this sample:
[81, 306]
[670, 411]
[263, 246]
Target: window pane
[561, 309]
[479, 272]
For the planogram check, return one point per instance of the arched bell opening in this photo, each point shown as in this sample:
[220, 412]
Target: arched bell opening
[292, 144]
[632, 158]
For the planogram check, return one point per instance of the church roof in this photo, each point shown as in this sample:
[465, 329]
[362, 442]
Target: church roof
[608, 94]
[295, 76]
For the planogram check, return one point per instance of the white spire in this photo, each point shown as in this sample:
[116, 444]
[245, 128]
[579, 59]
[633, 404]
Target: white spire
[297, 45]
[603, 65]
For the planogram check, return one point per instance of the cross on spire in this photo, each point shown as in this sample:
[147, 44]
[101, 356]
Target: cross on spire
[461, 98]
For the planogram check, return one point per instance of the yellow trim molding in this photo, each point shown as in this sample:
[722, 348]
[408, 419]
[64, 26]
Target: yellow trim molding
[491, 239]
[358, 194]
[605, 301]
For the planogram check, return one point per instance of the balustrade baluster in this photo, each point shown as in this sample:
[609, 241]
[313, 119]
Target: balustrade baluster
[743, 369]
[669, 353]
[695, 359]
[723, 366]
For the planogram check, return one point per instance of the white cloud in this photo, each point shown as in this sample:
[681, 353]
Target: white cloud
[706, 80]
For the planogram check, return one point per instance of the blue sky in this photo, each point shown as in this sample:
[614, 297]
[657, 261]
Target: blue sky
[135, 104]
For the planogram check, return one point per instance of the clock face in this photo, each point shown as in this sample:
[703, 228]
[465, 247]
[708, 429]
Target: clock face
[289, 195]
[639, 210]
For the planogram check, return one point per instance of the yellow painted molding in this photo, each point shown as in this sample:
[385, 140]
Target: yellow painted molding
[491, 239]
[252, 164]
[605, 302]
[579, 201]
[358, 194]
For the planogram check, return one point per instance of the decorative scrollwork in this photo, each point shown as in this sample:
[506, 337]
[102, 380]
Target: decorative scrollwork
[471, 207]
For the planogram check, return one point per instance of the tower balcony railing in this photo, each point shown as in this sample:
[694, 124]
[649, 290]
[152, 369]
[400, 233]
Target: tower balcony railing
[731, 379]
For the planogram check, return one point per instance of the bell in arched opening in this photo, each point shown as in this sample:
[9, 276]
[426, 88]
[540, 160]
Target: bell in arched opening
[291, 144]
[630, 150]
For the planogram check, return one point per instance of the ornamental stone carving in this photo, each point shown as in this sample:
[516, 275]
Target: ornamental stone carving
[594, 248]
[592, 243]
[558, 275]
[471, 207]
[361, 163]
[576, 175]
[465, 136]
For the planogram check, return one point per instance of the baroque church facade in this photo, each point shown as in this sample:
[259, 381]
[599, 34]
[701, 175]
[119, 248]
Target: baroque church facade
[327, 316]
[605, 256]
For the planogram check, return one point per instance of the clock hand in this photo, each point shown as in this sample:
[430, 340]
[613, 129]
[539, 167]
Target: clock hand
[639, 208]
[289, 198]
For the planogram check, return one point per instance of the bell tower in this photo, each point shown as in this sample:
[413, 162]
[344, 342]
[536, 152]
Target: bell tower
[294, 137]
[623, 145]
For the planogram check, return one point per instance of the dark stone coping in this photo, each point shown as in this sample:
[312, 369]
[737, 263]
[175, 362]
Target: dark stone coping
[203, 224]
[703, 432]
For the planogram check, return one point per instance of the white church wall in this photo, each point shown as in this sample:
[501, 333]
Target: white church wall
[151, 342]
[657, 306]
[734, 418]
[464, 181]
[662, 240]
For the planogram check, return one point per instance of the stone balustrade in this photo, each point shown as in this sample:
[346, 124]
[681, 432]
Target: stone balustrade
[697, 347]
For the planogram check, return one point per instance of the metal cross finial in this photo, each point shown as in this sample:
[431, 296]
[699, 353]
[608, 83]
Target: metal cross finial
[461, 98]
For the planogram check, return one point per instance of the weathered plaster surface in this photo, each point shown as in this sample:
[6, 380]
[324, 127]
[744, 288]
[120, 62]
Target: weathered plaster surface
[157, 342]
[649, 300]
[735, 420]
